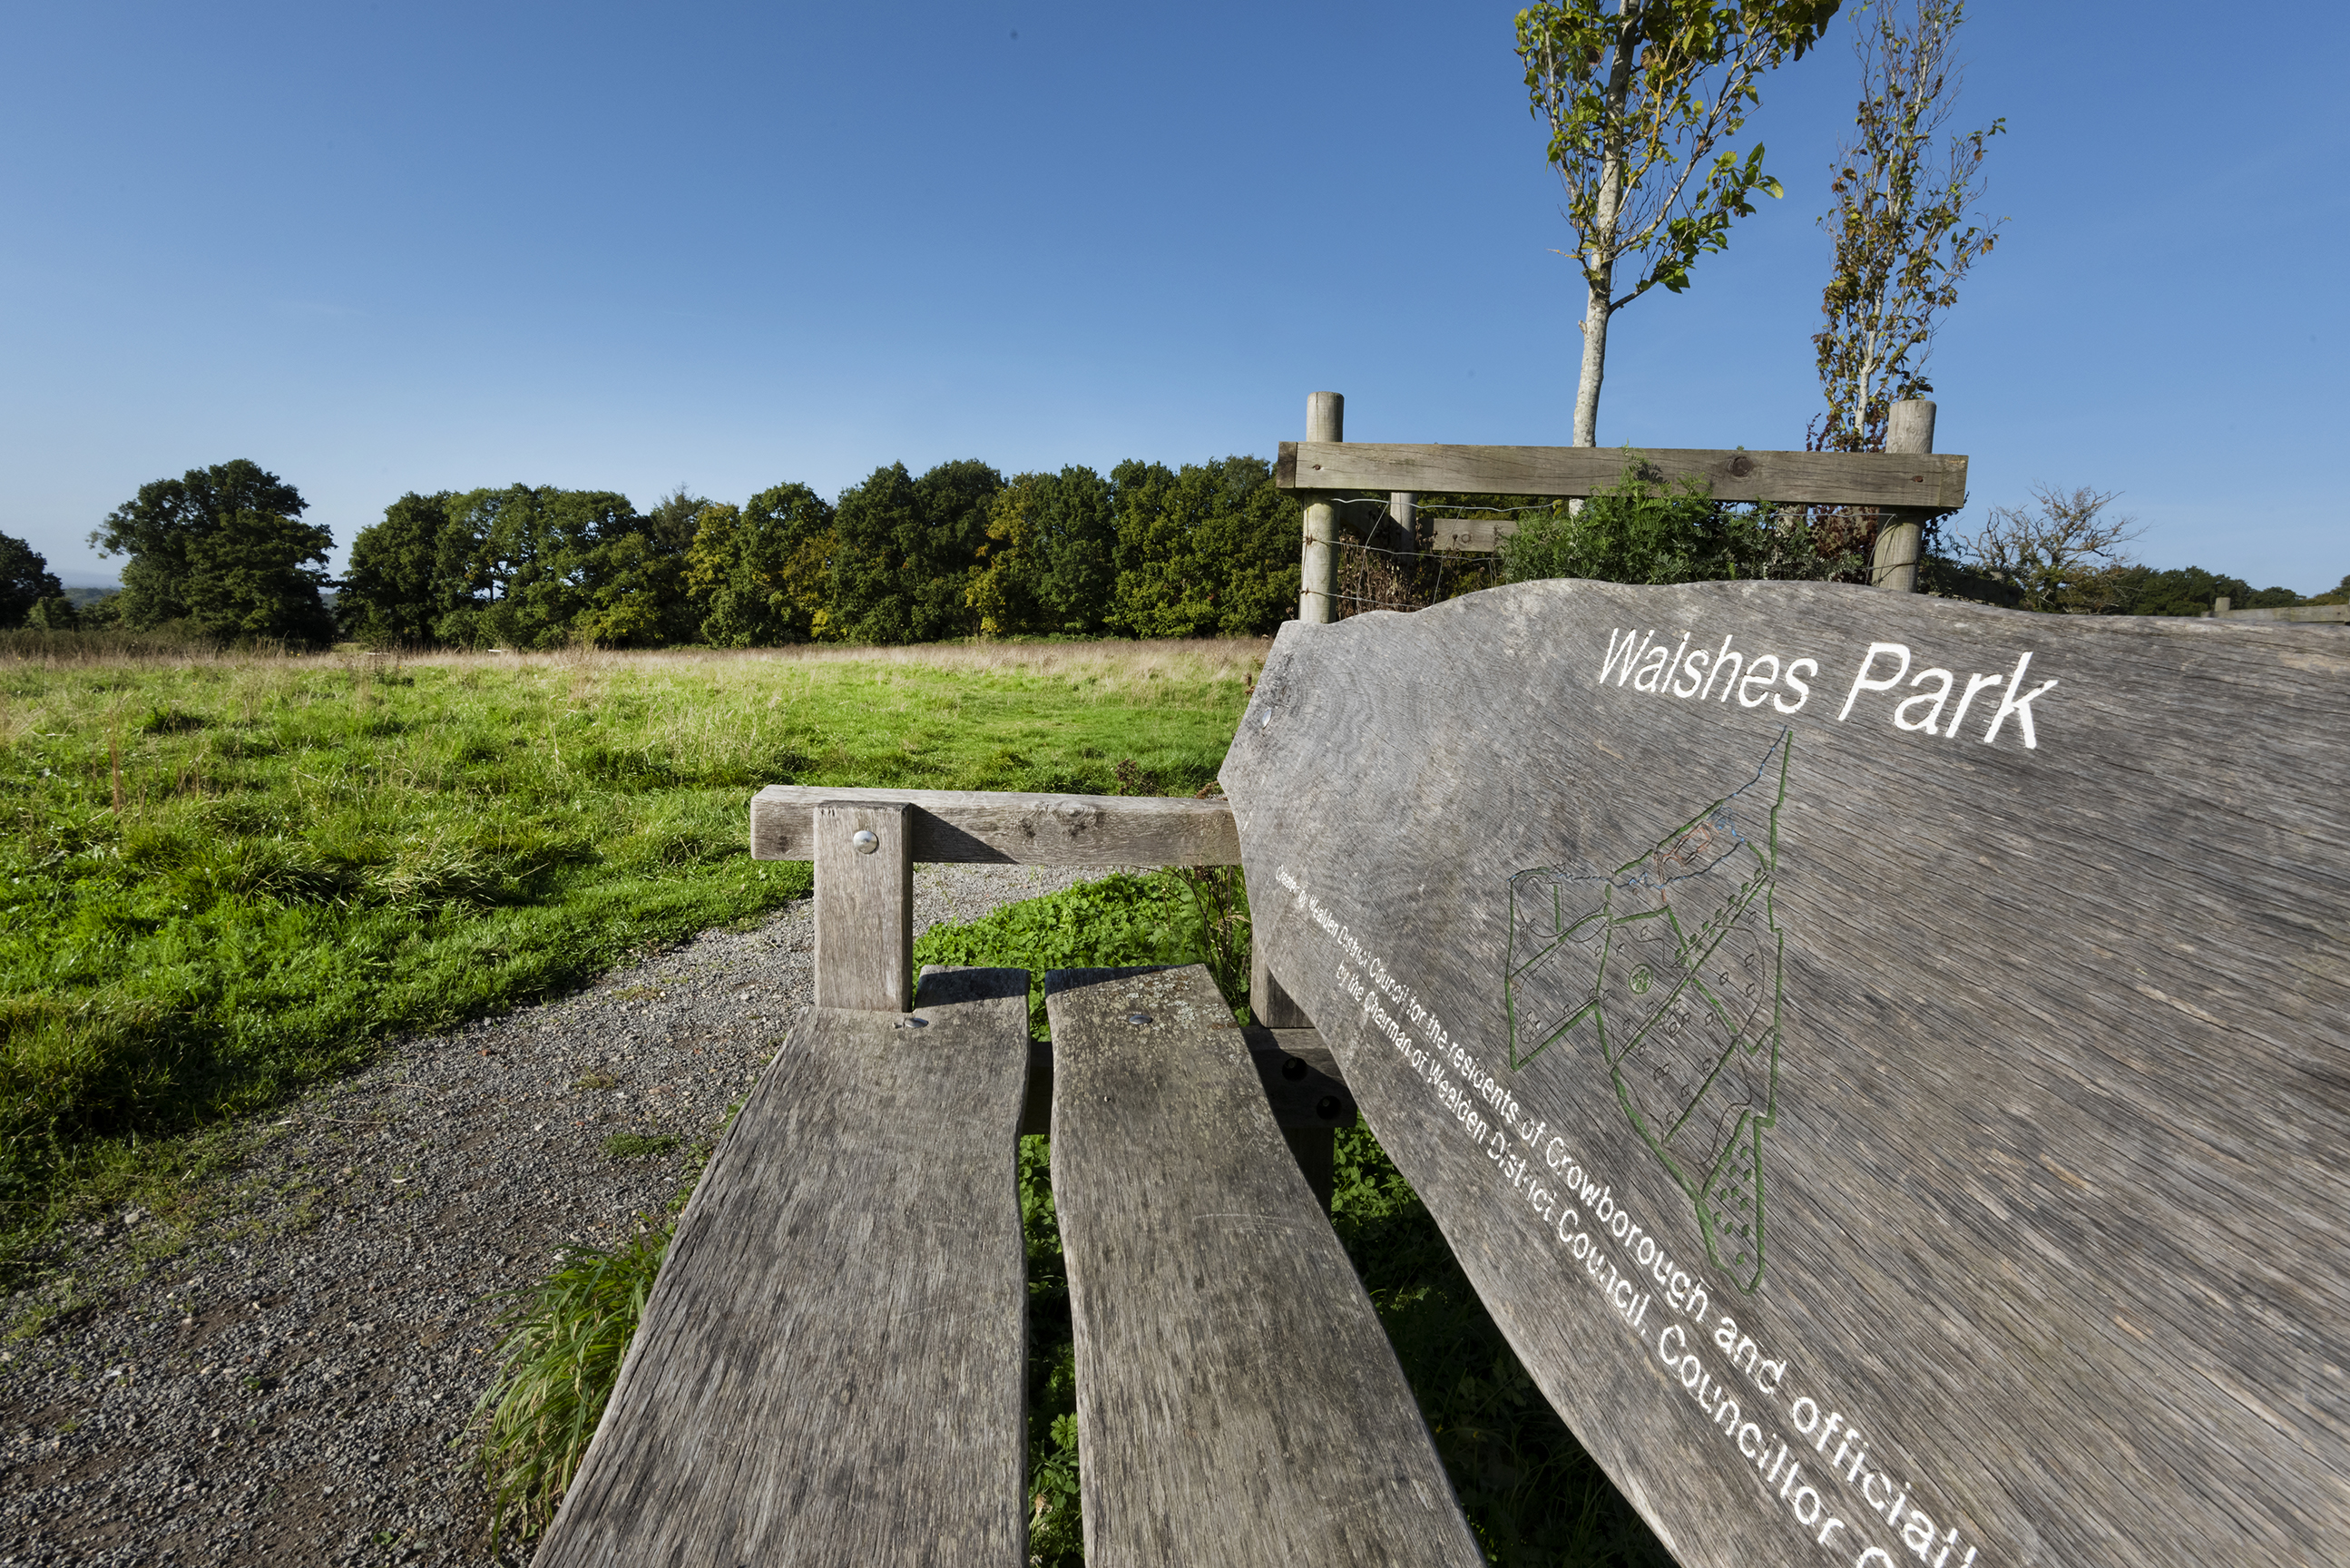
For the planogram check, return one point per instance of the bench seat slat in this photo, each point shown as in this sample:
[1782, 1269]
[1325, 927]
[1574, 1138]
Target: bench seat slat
[1299, 1074]
[831, 1366]
[1238, 1402]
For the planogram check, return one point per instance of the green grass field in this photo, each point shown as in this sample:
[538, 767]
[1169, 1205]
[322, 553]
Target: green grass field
[227, 876]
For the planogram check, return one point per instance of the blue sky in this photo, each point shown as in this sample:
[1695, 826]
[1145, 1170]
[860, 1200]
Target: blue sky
[378, 248]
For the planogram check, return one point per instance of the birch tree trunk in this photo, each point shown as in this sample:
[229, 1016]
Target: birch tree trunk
[1598, 257]
[1587, 391]
[1595, 362]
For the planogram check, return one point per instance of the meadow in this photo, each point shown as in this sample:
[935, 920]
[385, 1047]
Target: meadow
[227, 874]
[230, 876]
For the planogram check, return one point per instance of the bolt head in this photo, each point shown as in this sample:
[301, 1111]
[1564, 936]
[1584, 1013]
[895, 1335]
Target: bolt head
[865, 841]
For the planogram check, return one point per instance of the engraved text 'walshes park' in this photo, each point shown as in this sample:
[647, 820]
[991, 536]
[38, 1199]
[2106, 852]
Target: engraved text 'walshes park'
[1645, 663]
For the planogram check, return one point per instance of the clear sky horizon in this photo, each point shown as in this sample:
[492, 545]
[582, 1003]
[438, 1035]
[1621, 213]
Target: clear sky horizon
[379, 249]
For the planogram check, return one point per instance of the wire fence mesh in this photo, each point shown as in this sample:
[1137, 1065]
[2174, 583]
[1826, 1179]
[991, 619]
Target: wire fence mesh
[1379, 572]
[1372, 578]
[1375, 571]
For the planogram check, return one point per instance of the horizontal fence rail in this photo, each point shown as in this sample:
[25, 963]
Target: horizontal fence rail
[1925, 480]
[2312, 615]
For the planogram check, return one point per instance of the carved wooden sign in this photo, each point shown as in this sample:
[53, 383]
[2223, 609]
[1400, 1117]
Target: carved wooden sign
[1882, 1060]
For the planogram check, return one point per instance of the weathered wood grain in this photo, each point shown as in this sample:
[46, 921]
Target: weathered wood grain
[1303, 1089]
[1006, 826]
[1469, 535]
[1821, 478]
[1269, 1003]
[2024, 1153]
[831, 1368]
[864, 904]
[1237, 1400]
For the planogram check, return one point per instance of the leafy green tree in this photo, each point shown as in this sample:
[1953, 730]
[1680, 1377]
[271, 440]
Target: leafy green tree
[761, 573]
[29, 592]
[406, 573]
[635, 593]
[222, 548]
[635, 577]
[1049, 562]
[58, 612]
[904, 553]
[101, 611]
[545, 571]
[1207, 550]
[1903, 238]
[258, 573]
[2337, 594]
[1637, 95]
[674, 520]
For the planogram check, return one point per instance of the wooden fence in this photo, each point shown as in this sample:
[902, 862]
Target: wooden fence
[2295, 613]
[1329, 474]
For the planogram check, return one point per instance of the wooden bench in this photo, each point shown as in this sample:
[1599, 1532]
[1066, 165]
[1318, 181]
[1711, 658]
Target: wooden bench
[1881, 1061]
[831, 1368]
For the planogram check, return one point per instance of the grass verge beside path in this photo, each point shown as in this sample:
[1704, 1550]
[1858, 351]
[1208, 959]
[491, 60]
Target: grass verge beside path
[226, 876]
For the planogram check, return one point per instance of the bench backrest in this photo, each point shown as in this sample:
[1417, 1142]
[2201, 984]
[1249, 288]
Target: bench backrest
[1881, 1060]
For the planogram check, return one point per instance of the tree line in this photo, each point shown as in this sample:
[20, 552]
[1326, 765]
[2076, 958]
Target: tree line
[1206, 549]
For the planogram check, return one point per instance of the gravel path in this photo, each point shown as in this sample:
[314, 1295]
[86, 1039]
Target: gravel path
[286, 1380]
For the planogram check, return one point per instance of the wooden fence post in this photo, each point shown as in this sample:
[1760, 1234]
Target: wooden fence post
[1403, 513]
[1894, 568]
[864, 906]
[1317, 586]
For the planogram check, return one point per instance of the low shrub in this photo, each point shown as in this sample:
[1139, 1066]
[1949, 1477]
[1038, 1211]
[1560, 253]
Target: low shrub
[1645, 530]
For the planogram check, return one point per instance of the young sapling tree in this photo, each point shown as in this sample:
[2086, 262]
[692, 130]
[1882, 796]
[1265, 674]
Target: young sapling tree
[1638, 97]
[1905, 231]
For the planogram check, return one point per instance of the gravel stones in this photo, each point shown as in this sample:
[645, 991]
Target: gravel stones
[291, 1381]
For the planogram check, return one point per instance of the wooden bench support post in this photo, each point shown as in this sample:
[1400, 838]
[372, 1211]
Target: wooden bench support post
[1238, 1402]
[864, 905]
[1316, 1148]
[832, 1368]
